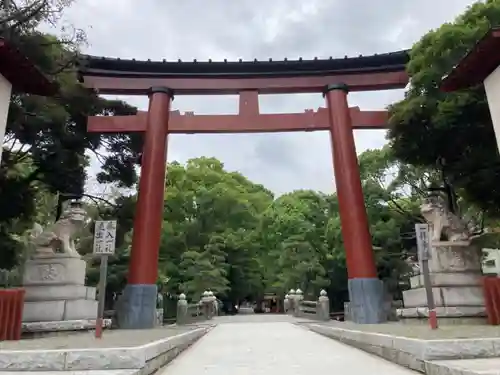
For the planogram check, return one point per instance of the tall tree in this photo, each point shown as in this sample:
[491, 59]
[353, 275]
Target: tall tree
[211, 216]
[453, 130]
[46, 143]
[293, 231]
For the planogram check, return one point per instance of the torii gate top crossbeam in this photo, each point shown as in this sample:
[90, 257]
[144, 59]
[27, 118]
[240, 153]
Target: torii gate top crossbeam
[133, 77]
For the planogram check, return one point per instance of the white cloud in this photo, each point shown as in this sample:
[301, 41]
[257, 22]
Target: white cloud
[261, 29]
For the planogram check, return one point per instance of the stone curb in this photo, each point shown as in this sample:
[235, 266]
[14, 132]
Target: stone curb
[145, 358]
[410, 352]
[455, 367]
[67, 325]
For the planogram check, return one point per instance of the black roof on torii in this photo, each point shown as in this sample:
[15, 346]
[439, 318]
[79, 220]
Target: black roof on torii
[116, 67]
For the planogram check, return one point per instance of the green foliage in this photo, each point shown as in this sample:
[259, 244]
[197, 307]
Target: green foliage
[429, 124]
[224, 233]
[46, 142]
[211, 217]
[220, 230]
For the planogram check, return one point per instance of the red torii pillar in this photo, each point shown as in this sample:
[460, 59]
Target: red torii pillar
[138, 309]
[365, 289]
[139, 297]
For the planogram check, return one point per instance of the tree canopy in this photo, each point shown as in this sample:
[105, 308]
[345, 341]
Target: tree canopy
[224, 232]
[450, 131]
[46, 145]
[221, 230]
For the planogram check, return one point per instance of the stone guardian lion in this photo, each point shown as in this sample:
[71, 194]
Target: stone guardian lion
[58, 237]
[444, 225]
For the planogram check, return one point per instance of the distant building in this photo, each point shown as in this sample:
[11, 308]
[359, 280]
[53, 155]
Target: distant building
[491, 262]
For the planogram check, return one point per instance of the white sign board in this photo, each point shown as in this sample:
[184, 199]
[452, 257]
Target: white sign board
[423, 241]
[105, 237]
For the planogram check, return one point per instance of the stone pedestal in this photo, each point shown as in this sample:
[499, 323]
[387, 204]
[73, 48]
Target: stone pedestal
[56, 291]
[455, 274]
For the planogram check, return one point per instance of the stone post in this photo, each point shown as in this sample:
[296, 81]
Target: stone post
[299, 296]
[323, 308]
[205, 304]
[215, 305]
[211, 303]
[286, 304]
[291, 297]
[159, 309]
[182, 307]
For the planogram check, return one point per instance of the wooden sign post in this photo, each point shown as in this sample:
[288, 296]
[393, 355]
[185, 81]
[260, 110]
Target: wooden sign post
[104, 246]
[424, 254]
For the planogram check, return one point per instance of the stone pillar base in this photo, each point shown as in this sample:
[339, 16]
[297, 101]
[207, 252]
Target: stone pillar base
[458, 315]
[455, 277]
[55, 290]
[366, 301]
[136, 307]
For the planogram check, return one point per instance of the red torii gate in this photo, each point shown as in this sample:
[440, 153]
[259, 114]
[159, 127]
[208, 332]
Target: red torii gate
[160, 80]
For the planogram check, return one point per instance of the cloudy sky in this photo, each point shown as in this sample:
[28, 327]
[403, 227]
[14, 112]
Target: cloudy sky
[262, 29]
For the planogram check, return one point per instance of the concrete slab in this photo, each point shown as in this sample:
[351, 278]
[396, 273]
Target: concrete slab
[147, 357]
[489, 366]
[432, 357]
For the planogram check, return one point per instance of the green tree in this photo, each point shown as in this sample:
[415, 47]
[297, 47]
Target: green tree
[429, 125]
[210, 222]
[293, 231]
[46, 141]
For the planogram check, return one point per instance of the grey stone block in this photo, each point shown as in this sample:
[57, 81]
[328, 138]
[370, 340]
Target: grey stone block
[32, 360]
[459, 349]
[137, 307]
[366, 301]
[56, 292]
[148, 357]
[445, 296]
[65, 325]
[57, 270]
[50, 311]
[105, 359]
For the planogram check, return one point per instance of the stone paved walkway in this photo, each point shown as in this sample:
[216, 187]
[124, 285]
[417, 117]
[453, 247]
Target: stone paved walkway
[275, 348]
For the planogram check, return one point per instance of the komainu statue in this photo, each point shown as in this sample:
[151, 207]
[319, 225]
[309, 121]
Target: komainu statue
[444, 225]
[413, 264]
[58, 237]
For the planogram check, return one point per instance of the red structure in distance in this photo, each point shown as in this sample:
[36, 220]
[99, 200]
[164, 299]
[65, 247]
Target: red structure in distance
[160, 80]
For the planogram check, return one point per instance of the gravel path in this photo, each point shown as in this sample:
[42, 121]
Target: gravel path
[112, 338]
[277, 347]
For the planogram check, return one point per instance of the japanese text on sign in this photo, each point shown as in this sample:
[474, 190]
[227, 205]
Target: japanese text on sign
[423, 245]
[105, 237]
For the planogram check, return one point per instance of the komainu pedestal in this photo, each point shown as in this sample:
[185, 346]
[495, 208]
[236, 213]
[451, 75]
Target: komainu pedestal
[54, 278]
[455, 274]
[56, 291]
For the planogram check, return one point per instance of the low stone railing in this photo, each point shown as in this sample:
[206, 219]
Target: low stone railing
[296, 305]
[204, 309]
